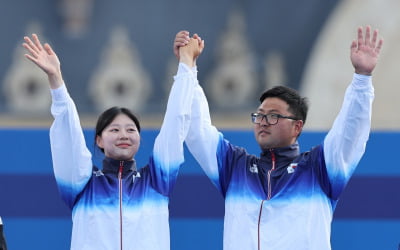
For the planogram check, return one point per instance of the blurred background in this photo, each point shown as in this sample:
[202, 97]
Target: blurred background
[120, 53]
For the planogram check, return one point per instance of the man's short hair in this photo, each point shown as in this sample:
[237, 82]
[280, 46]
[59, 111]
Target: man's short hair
[298, 105]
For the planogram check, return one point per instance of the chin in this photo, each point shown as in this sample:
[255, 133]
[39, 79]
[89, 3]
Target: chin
[127, 158]
[122, 158]
[265, 146]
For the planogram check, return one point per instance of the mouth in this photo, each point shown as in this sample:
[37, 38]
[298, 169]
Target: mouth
[263, 132]
[123, 145]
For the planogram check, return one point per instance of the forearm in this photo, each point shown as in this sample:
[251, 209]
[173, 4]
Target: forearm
[345, 143]
[168, 147]
[186, 59]
[55, 79]
[203, 138]
[71, 159]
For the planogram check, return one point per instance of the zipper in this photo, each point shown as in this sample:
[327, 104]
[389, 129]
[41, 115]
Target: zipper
[268, 195]
[121, 167]
[269, 174]
[259, 224]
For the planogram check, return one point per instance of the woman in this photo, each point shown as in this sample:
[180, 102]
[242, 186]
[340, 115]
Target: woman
[117, 206]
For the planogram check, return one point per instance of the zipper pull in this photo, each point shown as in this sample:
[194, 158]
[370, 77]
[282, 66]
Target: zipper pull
[121, 168]
[272, 159]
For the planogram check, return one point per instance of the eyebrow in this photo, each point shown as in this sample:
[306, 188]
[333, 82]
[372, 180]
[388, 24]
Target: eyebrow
[119, 125]
[270, 111]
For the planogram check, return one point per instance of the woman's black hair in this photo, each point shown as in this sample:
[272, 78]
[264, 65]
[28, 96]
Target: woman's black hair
[109, 115]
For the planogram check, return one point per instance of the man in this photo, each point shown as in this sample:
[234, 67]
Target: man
[3, 245]
[284, 199]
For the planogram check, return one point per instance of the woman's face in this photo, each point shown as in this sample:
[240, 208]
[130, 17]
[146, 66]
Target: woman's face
[120, 140]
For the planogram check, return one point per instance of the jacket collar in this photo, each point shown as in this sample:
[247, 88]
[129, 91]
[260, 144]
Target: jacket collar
[112, 166]
[283, 154]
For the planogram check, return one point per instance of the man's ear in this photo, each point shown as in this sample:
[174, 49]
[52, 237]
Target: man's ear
[299, 126]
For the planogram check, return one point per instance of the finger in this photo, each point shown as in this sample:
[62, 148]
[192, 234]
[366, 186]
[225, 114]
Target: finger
[182, 39]
[177, 45]
[198, 40]
[368, 35]
[31, 58]
[48, 49]
[182, 35]
[37, 42]
[181, 42]
[374, 38]
[183, 32]
[30, 49]
[353, 46]
[30, 44]
[360, 40]
[378, 48]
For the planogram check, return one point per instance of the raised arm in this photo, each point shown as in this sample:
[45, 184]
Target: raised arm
[71, 159]
[202, 138]
[346, 141]
[168, 147]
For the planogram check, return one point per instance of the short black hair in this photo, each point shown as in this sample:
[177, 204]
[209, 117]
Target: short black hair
[298, 105]
[109, 115]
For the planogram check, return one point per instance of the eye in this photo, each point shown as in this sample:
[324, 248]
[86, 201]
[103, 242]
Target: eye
[274, 116]
[131, 130]
[114, 130]
[258, 115]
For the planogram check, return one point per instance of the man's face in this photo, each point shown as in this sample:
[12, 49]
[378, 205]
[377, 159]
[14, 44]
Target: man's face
[282, 134]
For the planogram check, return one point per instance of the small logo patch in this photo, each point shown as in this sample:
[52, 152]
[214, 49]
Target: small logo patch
[254, 169]
[135, 175]
[291, 168]
[98, 173]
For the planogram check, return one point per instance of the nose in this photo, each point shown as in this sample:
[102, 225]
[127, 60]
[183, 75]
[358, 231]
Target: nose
[123, 135]
[264, 122]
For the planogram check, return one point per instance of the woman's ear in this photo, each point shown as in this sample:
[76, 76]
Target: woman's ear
[99, 141]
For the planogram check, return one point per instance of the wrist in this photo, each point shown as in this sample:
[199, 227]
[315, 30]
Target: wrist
[186, 59]
[363, 73]
[55, 80]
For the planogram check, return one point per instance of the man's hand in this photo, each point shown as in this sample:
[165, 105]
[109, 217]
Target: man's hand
[182, 39]
[364, 51]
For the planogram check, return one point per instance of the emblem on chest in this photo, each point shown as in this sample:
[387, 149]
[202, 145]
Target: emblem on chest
[291, 168]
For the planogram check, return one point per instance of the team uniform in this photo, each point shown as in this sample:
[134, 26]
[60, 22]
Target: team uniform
[283, 199]
[119, 206]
